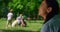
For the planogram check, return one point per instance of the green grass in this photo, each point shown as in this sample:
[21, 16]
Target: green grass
[32, 26]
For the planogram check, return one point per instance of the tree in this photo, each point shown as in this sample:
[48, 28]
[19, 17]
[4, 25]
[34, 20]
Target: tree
[26, 7]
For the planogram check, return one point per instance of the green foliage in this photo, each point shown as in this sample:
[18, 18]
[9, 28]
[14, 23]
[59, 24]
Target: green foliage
[59, 6]
[26, 7]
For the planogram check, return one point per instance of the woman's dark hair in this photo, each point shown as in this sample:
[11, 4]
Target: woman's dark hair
[55, 9]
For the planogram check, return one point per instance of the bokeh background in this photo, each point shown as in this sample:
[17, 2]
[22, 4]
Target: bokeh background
[29, 8]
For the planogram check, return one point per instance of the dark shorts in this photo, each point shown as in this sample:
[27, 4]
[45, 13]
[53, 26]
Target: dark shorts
[9, 21]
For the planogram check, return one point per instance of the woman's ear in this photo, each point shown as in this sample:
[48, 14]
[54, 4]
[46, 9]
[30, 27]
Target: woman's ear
[49, 9]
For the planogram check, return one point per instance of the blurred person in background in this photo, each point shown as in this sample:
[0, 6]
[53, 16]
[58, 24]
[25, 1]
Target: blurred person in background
[9, 18]
[20, 21]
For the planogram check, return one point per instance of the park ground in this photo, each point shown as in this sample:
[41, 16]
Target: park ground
[32, 26]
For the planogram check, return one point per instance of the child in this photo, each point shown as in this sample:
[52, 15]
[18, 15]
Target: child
[18, 20]
[9, 17]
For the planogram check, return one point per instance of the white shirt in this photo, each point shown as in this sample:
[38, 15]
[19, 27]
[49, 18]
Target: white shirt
[9, 16]
[19, 18]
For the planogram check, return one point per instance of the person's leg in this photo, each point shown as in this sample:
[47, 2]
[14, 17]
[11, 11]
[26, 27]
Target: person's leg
[10, 23]
[14, 23]
[7, 23]
[22, 23]
[25, 23]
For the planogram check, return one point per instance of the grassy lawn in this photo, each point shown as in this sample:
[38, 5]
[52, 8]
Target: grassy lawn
[32, 26]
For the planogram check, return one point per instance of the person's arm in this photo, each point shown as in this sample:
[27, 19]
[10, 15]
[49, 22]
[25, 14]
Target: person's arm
[45, 28]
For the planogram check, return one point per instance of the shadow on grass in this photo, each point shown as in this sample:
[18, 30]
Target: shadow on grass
[17, 31]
